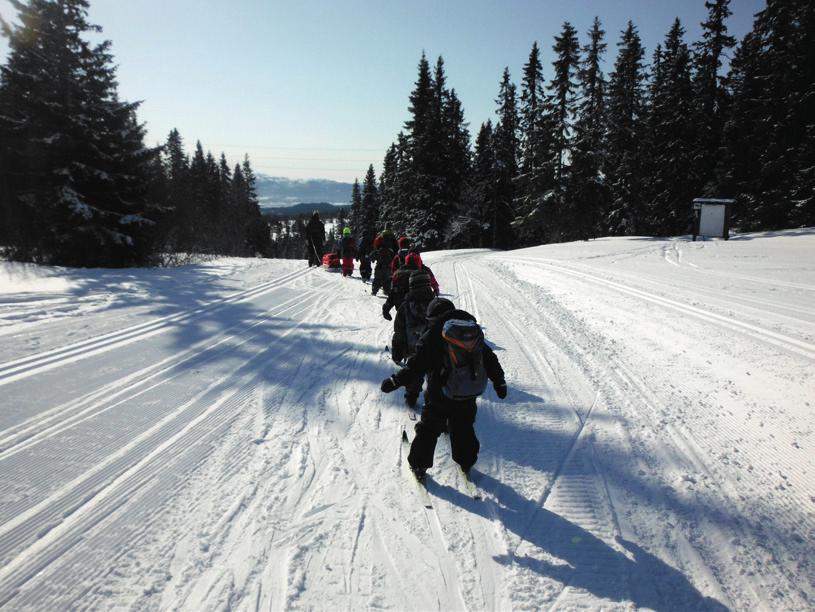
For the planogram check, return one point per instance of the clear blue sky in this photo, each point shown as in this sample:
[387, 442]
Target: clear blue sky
[319, 88]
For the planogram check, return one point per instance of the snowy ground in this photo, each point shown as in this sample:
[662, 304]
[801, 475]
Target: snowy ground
[213, 437]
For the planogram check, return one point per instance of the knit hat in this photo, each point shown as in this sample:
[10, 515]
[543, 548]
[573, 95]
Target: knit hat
[403, 242]
[438, 306]
[346, 231]
[378, 242]
[413, 261]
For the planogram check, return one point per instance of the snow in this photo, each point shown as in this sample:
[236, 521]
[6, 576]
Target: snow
[213, 436]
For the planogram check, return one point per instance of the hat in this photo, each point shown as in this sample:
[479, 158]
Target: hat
[403, 242]
[419, 279]
[438, 306]
[346, 231]
[413, 261]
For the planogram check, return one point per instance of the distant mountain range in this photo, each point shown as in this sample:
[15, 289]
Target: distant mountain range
[279, 192]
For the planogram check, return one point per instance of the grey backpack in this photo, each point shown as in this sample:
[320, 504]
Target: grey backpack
[465, 375]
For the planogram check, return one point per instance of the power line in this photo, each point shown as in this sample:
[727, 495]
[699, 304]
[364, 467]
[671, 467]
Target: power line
[280, 148]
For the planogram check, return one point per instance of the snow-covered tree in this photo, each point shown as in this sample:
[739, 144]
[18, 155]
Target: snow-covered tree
[626, 113]
[75, 169]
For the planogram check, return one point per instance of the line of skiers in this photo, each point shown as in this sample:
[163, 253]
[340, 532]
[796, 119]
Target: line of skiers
[431, 339]
[435, 340]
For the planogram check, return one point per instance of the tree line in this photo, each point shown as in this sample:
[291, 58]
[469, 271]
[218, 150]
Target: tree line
[583, 154]
[588, 154]
[78, 186]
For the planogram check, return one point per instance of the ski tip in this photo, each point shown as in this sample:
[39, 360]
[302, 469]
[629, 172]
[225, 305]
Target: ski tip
[404, 436]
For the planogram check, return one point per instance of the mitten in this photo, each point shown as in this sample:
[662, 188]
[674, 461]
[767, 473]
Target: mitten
[387, 313]
[500, 389]
[388, 385]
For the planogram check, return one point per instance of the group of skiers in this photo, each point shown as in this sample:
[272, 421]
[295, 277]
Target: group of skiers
[431, 339]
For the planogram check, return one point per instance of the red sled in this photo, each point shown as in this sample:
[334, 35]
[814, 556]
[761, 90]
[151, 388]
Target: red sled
[331, 262]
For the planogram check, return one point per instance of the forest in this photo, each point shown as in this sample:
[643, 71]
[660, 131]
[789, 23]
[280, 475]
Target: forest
[581, 155]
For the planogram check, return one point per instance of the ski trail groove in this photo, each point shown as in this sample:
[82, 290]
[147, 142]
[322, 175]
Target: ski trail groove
[26, 367]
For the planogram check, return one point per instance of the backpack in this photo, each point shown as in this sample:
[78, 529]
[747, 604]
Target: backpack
[415, 323]
[463, 343]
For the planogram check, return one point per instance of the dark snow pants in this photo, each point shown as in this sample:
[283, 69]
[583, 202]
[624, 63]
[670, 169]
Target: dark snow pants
[458, 418]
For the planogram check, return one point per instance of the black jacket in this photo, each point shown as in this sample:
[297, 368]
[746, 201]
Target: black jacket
[315, 231]
[400, 284]
[346, 247]
[429, 360]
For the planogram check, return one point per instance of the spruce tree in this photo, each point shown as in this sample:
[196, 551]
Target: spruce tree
[536, 177]
[588, 193]
[506, 145]
[672, 180]
[75, 171]
[356, 214]
[767, 146]
[710, 91]
[625, 112]
[370, 204]
[471, 227]
[563, 105]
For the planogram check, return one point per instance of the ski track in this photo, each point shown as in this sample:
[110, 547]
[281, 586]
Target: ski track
[708, 540]
[239, 455]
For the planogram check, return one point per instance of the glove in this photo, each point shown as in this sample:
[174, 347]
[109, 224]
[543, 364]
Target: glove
[389, 385]
[387, 314]
[500, 389]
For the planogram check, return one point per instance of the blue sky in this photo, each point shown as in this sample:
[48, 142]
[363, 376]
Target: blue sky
[319, 89]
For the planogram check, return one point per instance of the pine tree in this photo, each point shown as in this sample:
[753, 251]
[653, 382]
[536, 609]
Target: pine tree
[356, 214]
[672, 140]
[536, 178]
[563, 101]
[257, 236]
[506, 145]
[710, 92]
[624, 165]
[388, 195]
[471, 225]
[75, 169]
[588, 194]
[563, 105]
[768, 153]
[370, 204]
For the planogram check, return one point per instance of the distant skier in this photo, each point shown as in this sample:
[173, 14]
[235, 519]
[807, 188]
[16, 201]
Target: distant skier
[364, 250]
[399, 259]
[457, 361]
[382, 256]
[315, 237]
[346, 250]
[409, 325]
[389, 239]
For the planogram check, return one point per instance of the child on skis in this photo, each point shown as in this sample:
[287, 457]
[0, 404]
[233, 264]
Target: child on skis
[457, 362]
[346, 250]
[409, 325]
[382, 256]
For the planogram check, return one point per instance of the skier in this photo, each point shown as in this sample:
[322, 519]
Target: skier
[389, 239]
[346, 251]
[409, 325]
[457, 362]
[382, 256]
[315, 237]
[364, 255]
[400, 284]
[399, 259]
